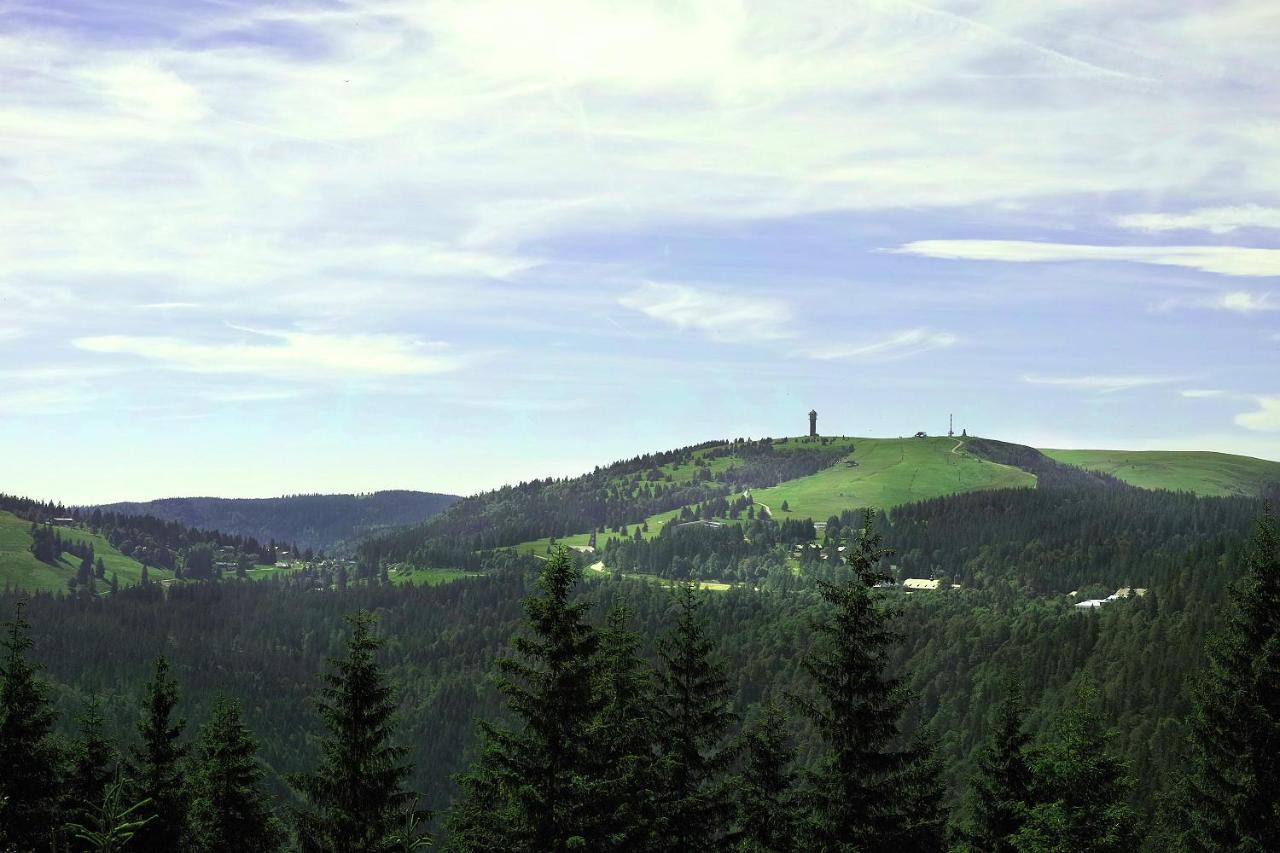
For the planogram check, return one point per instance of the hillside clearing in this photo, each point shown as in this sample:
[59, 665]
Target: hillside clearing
[1203, 473]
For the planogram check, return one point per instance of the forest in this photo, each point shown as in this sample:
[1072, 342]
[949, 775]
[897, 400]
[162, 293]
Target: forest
[1115, 706]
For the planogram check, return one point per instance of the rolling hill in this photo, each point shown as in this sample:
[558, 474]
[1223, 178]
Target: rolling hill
[713, 480]
[1199, 472]
[327, 522]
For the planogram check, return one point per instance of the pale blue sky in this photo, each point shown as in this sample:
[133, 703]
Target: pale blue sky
[249, 249]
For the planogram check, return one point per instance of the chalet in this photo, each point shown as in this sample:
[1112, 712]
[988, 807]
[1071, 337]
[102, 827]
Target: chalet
[64, 522]
[700, 523]
[1090, 603]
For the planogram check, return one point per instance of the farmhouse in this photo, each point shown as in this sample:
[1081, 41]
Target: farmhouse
[1090, 603]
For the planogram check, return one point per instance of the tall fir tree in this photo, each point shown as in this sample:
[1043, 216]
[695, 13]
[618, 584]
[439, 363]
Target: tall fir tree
[156, 766]
[356, 799]
[860, 794]
[764, 791]
[1000, 790]
[229, 809]
[694, 720]
[1231, 796]
[534, 787]
[623, 733]
[29, 784]
[94, 764]
[1080, 790]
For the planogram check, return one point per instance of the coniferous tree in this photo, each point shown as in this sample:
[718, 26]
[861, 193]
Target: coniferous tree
[763, 788]
[1080, 790]
[155, 769]
[28, 757]
[534, 787]
[229, 809]
[94, 764]
[624, 732]
[859, 794]
[694, 718]
[1000, 791]
[110, 824]
[1231, 796]
[356, 797]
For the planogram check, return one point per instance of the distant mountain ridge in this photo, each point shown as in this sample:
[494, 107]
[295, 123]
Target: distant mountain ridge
[331, 522]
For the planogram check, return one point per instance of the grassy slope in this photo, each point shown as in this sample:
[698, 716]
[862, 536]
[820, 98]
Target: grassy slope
[890, 472]
[19, 569]
[1201, 472]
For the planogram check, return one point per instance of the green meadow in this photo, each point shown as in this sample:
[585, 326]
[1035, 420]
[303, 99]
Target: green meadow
[19, 569]
[888, 472]
[1201, 472]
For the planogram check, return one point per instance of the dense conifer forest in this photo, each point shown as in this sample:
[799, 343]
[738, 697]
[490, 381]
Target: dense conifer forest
[814, 705]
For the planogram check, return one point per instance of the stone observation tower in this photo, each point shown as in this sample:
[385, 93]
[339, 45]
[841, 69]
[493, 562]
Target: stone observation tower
[813, 423]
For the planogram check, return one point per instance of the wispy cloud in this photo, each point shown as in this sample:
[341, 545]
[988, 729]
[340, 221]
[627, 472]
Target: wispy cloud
[1223, 260]
[170, 306]
[1266, 418]
[720, 315]
[1215, 220]
[292, 355]
[1102, 384]
[1237, 301]
[898, 345]
[10, 333]
[1201, 393]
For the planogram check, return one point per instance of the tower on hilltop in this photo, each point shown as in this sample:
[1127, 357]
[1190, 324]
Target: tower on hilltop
[813, 423]
[951, 425]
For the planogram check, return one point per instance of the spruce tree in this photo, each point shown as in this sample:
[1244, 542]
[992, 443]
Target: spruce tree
[1000, 790]
[94, 764]
[860, 795]
[356, 796]
[1231, 797]
[229, 809]
[1080, 790]
[763, 789]
[28, 757]
[694, 719]
[155, 769]
[623, 733]
[535, 785]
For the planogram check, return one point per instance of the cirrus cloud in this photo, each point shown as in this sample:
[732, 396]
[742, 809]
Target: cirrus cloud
[1215, 220]
[1223, 260]
[301, 356]
[721, 315]
[1103, 384]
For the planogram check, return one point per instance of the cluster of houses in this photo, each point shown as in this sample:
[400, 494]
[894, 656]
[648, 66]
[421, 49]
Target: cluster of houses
[1122, 592]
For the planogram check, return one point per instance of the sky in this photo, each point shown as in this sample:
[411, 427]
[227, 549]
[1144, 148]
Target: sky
[251, 249]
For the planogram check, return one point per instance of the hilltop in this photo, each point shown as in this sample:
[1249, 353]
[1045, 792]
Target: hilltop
[321, 522]
[810, 478]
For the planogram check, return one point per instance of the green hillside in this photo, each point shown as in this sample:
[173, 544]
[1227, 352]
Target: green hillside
[879, 472]
[19, 569]
[1200, 472]
[888, 472]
